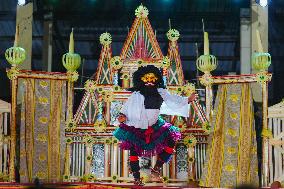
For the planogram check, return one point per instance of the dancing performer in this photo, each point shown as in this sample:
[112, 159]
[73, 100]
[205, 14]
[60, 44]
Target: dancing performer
[141, 129]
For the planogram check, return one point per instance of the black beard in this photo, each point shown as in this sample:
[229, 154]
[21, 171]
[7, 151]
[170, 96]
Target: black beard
[149, 90]
[153, 99]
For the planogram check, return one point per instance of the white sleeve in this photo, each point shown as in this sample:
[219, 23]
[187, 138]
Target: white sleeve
[135, 112]
[132, 107]
[174, 104]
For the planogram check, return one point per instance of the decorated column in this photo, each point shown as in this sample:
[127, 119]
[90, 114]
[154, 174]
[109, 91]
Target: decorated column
[260, 62]
[15, 56]
[207, 63]
[71, 61]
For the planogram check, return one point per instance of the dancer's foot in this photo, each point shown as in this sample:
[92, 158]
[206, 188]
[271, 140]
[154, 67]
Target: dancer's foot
[139, 182]
[156, 173]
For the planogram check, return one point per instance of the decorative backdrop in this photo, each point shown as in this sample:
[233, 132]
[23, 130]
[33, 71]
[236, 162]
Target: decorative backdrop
[231, 157]
[42, 105]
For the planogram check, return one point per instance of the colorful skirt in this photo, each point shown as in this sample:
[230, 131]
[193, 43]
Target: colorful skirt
[147, 142]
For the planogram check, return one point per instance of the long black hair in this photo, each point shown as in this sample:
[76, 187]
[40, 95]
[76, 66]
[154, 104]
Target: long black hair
[141, 71]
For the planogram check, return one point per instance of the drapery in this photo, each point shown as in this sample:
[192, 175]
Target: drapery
[231, 157]
[42, 104]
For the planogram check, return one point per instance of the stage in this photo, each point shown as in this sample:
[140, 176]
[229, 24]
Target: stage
[99, 185]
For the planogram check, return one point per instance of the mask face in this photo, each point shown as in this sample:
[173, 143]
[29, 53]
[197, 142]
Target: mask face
[149, 79]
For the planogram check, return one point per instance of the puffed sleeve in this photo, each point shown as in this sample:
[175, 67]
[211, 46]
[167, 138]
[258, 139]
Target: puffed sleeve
[174, 104]
[135, 112]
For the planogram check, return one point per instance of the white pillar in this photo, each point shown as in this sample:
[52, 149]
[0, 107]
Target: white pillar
[259, 21]
[245, 41]
[24, 20]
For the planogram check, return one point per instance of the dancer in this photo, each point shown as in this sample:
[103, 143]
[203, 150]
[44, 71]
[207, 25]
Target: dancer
[141, 129]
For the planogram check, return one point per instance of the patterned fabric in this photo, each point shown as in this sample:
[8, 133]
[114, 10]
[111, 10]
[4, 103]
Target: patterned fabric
[162, 133]
[42, 140]
[231, 158]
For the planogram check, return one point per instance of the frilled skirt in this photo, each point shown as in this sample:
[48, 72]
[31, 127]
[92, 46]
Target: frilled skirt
[147, 142]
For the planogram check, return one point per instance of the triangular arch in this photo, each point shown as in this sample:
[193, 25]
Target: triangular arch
[141, 42]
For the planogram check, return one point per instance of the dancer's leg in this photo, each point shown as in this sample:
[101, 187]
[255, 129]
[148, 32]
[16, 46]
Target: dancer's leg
[134, 166]
[164, 157]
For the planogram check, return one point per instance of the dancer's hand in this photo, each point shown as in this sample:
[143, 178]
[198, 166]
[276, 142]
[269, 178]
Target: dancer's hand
[121, 118]
[192, 97]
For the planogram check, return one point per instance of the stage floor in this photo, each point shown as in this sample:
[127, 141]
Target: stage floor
[98, 185]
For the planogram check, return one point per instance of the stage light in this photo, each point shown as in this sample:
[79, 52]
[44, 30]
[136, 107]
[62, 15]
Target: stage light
[21, 2]
[262, 3]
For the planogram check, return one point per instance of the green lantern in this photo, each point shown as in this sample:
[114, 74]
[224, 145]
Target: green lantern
[71, 61]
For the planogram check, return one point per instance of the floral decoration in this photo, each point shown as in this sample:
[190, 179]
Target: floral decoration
[66, 178]
[90, 86]
[229, 168]
[105, 38]
[69, 140]
[165, 179]
[166, 62]
[141, 12]
[88, 178]
[114, 178]
[116, 62]
[190, 141]
[116, 88]
[88, 140]
[89, 158]
[173, 35]
[262, 77]
[206, 80]
[108, 96]
[234, 98]
[125, 76]
[189, 89]
[72, 76]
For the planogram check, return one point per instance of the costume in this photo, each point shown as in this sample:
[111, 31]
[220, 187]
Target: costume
[144, 132]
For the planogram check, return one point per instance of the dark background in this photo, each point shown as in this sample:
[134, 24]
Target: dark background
[90, 18]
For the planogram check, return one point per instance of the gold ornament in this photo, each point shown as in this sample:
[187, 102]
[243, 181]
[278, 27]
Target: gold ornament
[69, 140]
[88, 178]
[100, 125]
[206, 80]
[189, 89]
[88, 140]
[173, 35]
[190, 141]
[114, 178]
[166, 62]
[90, 86]
[116, 62]
[108, 96]
[262, 77]
[66, 178]
[125, 76]
[13, 73]
[72, 76]
[89, 158]
[234, 98]
[105, 38]
[116, 88]
[141, 12]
